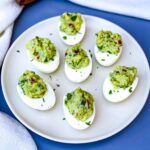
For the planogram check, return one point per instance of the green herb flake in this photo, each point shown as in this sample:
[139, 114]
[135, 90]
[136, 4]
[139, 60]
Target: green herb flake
[58, 85]
[69, 95]
[64, 37]
[110, 92]
[73, 18]
[43, 100]
[1, 33]
[90, 53]
[102, 59]
[18, 51]
[64, 118]
[130, 90]
[88, 123]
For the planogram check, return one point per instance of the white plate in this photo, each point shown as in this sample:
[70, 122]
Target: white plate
[110, 118]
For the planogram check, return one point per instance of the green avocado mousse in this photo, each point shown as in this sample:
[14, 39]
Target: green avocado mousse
[120, 83]
[70, 23]
[79, 108]
[34, 91]
[71, 28]
[76, 57]
[122, 76]
[43, 54]
[78, 63]
[32, 85]
[108, 47]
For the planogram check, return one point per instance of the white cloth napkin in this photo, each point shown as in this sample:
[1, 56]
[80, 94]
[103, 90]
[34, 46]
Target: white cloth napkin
[135, 8]
[9, 11]
[13, 136]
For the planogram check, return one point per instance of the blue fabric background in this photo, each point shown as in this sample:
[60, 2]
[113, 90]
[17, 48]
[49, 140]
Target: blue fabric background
[137, 135]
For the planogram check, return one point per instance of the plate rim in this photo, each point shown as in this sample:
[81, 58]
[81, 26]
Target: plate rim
[110, 134]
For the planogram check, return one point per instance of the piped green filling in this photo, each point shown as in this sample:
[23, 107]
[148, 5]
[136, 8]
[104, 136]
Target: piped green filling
[80, 104]
[76, 57]
[108, 42]
[32, 85]
[70, 23]
[41, 49]
[122, 76]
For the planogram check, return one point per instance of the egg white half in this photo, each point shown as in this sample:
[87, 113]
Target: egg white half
[79, 75]
[119, 94]
[39, 103]
[106, 59]
[48, 67]
[73, 39]
[76, 124]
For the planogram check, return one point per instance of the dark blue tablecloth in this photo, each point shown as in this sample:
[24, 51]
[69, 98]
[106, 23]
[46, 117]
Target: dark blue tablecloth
[137, 135]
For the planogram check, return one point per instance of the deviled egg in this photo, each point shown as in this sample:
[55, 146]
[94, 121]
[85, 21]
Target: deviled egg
[34, 92]
[78, 64]
[120, 83]
[43, 54]
[71, 28]
[79, 109]
[108, 47]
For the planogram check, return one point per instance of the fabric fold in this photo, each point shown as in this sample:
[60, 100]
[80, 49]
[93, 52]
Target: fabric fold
[134, 8]
[9, 11]
[13, 135]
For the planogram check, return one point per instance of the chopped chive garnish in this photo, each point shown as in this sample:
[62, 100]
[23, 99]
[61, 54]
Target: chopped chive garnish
[130, 89]
[73, 18]
[102, 59]
[90, 53]
[64, 37]
[18, 51]
[57, 85]
[88, 123]
[110, 92]
[64, 118]
[43, 100]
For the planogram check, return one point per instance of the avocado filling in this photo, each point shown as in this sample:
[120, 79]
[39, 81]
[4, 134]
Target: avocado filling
[76, 57]
[108, 42]
[41, 49]
[80, 104]
[122, 76]
[70, 23]
[32, 85]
